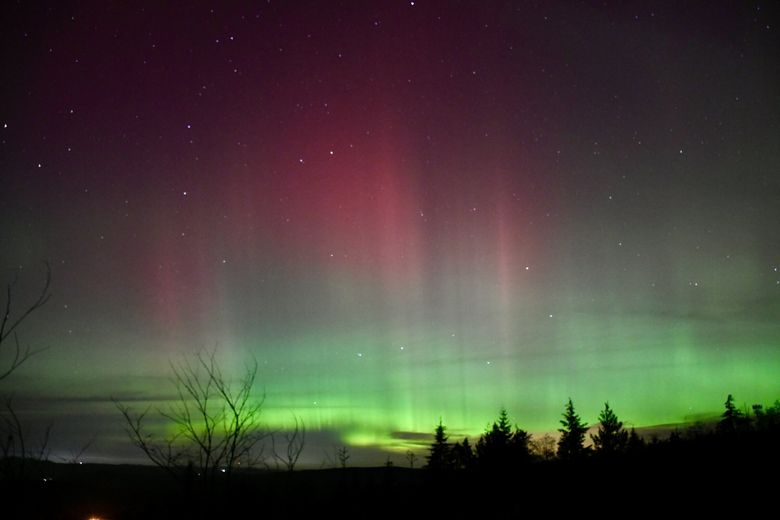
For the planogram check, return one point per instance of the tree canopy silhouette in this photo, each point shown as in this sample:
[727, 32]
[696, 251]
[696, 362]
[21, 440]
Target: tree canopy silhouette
[732, 417]
[571, 444]
[767, 418]
[611, 438]
[500, 447]
[462, 455]
[635, 443]
[440, 456]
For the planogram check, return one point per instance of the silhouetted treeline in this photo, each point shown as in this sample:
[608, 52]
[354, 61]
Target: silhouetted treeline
[504, 446]
[724, 468]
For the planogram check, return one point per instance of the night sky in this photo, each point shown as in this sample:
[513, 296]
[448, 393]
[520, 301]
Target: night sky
[405, 211]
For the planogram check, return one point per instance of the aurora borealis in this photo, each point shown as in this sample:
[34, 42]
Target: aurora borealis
[403, 210]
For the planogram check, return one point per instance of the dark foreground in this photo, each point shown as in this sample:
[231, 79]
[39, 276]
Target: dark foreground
[683, 479]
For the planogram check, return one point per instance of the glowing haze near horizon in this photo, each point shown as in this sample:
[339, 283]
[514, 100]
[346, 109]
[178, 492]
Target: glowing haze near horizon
[403, 210]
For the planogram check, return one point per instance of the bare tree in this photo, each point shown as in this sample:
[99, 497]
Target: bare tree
[8, 325]
[544, 447]
[411, 457]
[163, 453]
[75, 456]
[342, 455]
[295, 440]
[14, 449]
[217, 423]
[12, 443]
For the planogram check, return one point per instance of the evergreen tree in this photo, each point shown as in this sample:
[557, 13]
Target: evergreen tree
[441, 452]
[520, 446]
[759, 417]
[500, 446]
[732, 417]
[571, 444]
[766, 418]
[635, 443]
[611, 438]
[493, 446]
[772, 416]
[504, 425]
[462, 455]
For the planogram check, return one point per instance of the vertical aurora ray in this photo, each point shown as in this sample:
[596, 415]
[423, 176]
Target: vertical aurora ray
[402, 212]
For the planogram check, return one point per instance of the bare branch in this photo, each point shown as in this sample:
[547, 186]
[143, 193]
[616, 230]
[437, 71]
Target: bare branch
[342, 454]
[43, 448]
[411, 457]
[13, 436]
[9, 325]
[74, 456]
[13, 443]
[165, 456]
[218, 419]
[295, 440]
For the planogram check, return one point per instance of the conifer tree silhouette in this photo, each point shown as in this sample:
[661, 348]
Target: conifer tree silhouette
[635, 442]
[571, 444]
[441, 452]
[462, 455]
[732, 417]
[500, 446]
[611, 438]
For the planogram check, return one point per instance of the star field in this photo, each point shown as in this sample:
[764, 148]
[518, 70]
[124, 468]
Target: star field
[403, 210]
